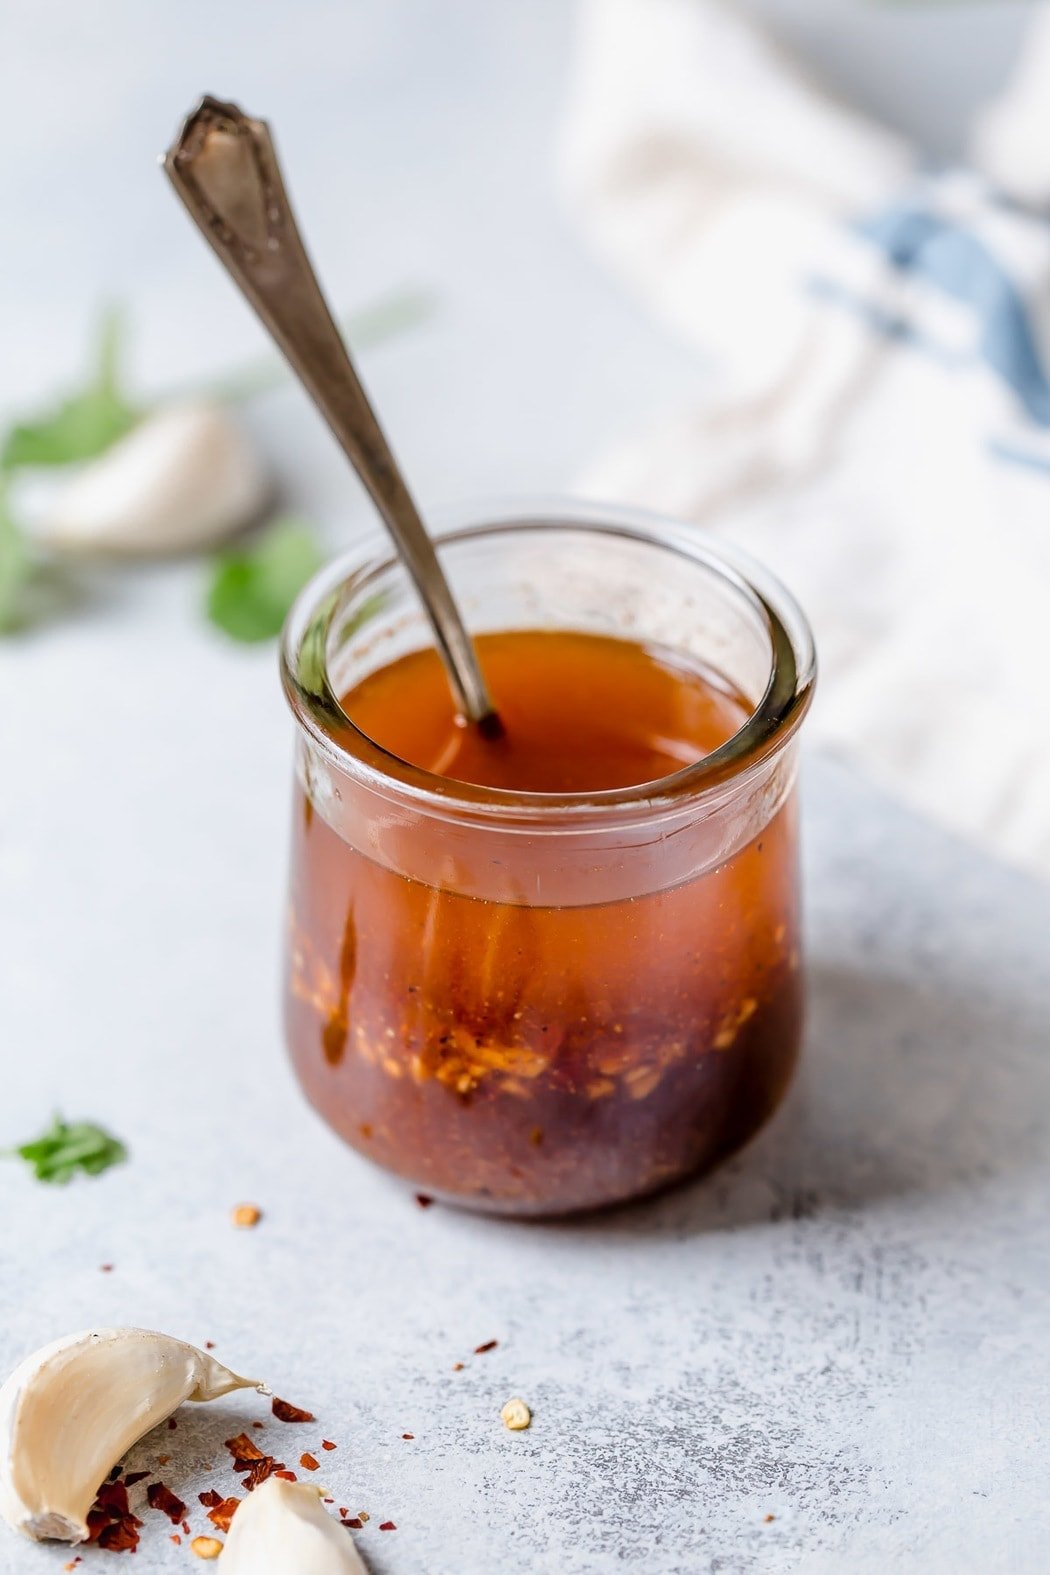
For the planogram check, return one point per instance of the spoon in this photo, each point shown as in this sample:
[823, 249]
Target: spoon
[224, 168]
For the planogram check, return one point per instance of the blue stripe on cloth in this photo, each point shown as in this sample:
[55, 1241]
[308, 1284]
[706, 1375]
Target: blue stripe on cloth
[918, 241]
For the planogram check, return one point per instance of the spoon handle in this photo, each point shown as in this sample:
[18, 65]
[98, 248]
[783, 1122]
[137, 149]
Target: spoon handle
[224, 167]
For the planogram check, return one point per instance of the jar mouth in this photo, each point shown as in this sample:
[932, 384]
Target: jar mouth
[772, 720]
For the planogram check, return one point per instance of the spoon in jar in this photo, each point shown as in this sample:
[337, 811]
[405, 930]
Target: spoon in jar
[224, 167]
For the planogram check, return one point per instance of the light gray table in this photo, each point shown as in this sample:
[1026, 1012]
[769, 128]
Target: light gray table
[845, 1329]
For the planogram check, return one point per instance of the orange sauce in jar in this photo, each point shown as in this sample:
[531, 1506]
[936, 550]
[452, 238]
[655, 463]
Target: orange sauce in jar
[533, 1058]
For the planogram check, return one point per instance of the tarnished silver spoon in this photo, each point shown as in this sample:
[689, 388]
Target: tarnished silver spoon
[224, 167]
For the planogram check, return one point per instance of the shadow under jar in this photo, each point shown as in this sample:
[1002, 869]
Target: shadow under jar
[529, 1002]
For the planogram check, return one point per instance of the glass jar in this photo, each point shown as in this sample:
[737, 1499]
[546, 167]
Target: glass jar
[535, 1003]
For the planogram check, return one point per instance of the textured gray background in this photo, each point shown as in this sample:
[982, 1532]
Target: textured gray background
[844, 1330]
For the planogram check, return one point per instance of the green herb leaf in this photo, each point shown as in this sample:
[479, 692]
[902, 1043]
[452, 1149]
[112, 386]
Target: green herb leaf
[86, 423]
[67, 1147]
[16, 565]
[251, 591]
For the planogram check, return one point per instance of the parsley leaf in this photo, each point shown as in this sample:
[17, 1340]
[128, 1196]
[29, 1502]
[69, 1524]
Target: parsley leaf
[16, 564]
[86, 423]
[251, 590]
[68, 1147]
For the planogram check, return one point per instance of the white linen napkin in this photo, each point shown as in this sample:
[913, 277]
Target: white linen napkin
[878, 425]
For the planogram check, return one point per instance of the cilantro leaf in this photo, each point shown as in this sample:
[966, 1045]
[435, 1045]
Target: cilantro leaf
[251, 590]
[57, 1154]
[85, 424]
[16, 565]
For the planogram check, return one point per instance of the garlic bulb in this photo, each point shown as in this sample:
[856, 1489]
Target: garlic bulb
[185, 477]
[74, 1408]
[283, 1529]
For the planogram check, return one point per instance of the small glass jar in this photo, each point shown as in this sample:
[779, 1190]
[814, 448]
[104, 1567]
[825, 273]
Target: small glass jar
[532, 1003]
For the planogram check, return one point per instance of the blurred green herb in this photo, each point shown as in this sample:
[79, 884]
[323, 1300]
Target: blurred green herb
[251, 590]
[67, 1147]
[16, 564]
[86, 423]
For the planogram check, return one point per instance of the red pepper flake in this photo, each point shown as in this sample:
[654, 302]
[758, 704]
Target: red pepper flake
[258, 1424]
[326, 1443]
[286, 1476]
[186, 1527]
[176, 1539]
[172, 1424]
[489, 1345]
[408, 1435]
[160, 1497]
[162, 1460]
[110, 1522]
[290, 1413]
[105, 1268]
[243, 1450]
[768, 1518]
[328, 1501]
[209, 1345]
[266, 1467]
[135, 1476]
[309, 1462]
[423, 1200]
[73, 1563]
[210, 1499]
[223, 1513]
[355, 1522]
[387, 1525]
[457, 1367]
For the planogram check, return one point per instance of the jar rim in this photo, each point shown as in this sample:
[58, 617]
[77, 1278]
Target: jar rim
[771, 722]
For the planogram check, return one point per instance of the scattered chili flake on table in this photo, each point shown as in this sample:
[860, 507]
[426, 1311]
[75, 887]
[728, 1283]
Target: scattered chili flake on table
[387, 1525]
[244, 1450]
[423, 1200]
[210, 1499]
[309, 1462]
[258, 1424]
[135, 1476]
[289, 1413]
[287, 1476]
[72, 1563]
[326, 1443]
[110, 1521]
[172, 1424]
[363, 1515]
[768, 1518]
[408, 1435]
[160, 1497]
[206, 1547]
[223, 1512]
[457, 1367]
[105, 1268]
[176, 1539]
[209, 1345]
[489, 1345]
[354, 1522]
[245, 1216]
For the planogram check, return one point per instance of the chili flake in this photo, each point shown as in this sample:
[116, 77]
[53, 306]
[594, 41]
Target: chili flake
[309, 1462]
[355, 1522]
[290, 1413]
[408, 1435]
[161, 1498]
[326, 1443]
[387, 1525]
[245, 1216]
[210, 1499]
[489, 1345]
[206, 1547]
[424, 1200]
[223, 1512]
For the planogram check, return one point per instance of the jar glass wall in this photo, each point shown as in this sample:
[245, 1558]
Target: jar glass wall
[541, 1003]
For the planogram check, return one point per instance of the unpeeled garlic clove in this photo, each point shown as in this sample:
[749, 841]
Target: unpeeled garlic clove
[185, 477]
[75, 1407]
[283, 1529]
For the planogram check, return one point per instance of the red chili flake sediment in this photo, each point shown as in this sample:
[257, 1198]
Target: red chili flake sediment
[172, 1424]
[160, 1497]
[162, 1460]
[489, 1345]
[408, 1435]
[355, 1522]
[243, 1450]
[387, 1525]
[326, 1443]
[135, 1476]
[290, 1413]
[210, 1499]
[286, 1476]
[424, 1200]
[309, 1462]
[110, 1522]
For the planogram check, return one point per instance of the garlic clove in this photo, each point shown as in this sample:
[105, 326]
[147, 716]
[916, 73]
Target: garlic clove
[283, 1529]
[70, 1411]
[185, 477]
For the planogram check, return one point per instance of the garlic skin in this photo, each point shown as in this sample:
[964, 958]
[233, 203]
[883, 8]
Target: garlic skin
[185, 477]
[283, 1529]
[70, 1411]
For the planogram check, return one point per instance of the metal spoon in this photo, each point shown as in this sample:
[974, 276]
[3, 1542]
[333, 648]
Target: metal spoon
[224, 167]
